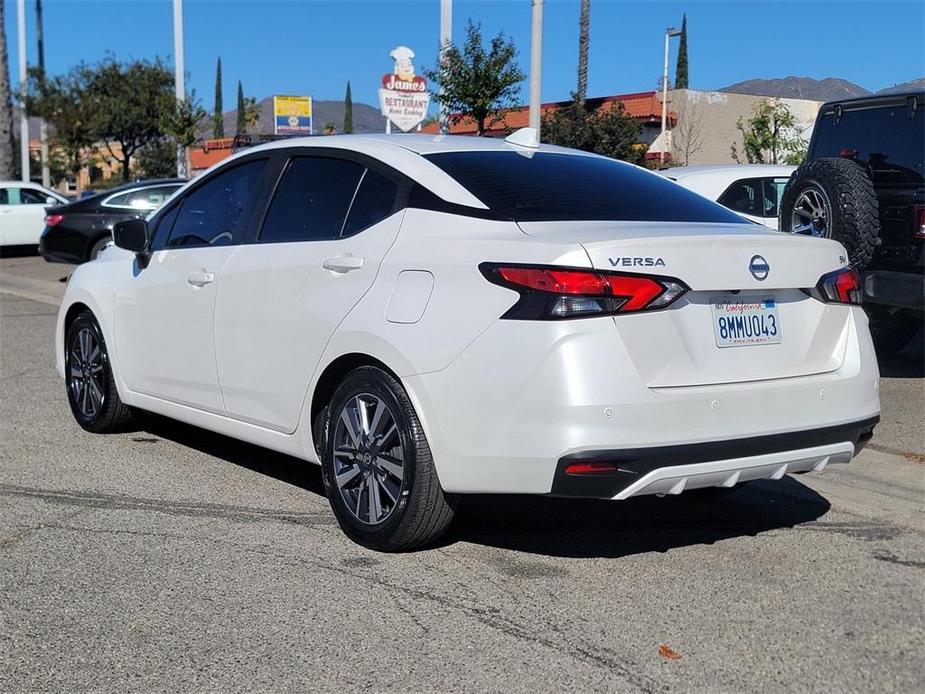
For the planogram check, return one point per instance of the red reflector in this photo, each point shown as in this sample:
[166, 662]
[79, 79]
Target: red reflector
[919, 222]
[53, 219]
[847, 153]
[555, 281]
[638, 291]
[590, 468]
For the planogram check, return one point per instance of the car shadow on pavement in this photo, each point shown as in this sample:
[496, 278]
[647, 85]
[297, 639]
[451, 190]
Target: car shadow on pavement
[280, 466]
[583, 528]
[909, 363]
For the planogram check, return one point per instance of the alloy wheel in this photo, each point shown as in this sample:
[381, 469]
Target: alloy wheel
[86, 373]
[811, 213]
[368, 460]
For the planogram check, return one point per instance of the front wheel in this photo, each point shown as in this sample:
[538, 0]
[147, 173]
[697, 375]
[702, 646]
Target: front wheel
[91, 389]
[377, 466]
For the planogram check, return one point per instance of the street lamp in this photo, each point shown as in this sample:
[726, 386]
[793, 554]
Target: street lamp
[669, 33]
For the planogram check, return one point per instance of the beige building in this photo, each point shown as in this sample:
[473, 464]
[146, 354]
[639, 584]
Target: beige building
[706, 123]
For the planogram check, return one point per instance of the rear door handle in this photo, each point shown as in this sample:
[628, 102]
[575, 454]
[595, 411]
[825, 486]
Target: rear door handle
[343, 263]
[201, 278]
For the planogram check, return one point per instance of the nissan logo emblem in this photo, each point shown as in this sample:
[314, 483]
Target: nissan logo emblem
[759, 268]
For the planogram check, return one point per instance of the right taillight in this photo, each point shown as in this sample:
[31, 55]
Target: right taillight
[841, 287]
[53, 219]
[556, 293]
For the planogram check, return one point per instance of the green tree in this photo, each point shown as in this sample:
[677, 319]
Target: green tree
[241, 126]
[584, 23]
[475, 82]
[158, 159]
[680, 75]
[218, 116]
[6, 108]
[179, 120]
[124, 100]
[348, 110]
[770, 135]
[64, 102]
[605, 129]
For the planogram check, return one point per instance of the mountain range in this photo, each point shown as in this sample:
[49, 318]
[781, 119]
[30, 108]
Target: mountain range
[827, 89]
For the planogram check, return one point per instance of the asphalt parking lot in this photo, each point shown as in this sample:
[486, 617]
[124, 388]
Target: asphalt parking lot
[170, 559]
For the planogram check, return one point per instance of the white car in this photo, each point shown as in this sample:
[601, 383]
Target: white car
[428, 317]
[751, 190]
[22, 212]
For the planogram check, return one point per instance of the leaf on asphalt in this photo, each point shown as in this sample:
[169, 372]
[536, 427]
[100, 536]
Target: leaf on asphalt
[667, 652]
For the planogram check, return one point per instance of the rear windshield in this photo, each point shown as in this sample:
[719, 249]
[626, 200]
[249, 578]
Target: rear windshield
[546, 187]
[886, 138]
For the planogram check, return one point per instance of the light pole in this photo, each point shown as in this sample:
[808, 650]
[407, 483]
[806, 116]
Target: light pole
[536, 64]
[669, 32]
[23, 76]
[446, 37]
[43, 124]
[179, 87]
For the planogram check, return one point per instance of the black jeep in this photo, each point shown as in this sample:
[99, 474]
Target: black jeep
[862, 184]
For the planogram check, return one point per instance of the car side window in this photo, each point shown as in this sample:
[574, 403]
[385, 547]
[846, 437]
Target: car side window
[773, 190]
[160, 231]
[214, 214]
[744, 196]
[144, 199]
[27, 196]
[373, 202]
[311, 200]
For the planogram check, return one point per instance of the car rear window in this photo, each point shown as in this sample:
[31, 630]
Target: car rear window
[547, 186]
[886, 138]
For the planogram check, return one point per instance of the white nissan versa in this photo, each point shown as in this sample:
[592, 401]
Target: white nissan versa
[428, 317]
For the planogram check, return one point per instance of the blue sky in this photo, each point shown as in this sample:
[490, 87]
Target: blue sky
[314, 47]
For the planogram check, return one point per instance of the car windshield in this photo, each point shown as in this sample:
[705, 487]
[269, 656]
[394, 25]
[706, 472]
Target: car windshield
[547, 186]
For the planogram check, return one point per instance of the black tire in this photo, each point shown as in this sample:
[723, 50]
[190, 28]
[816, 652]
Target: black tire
[853, 215]
[97, 247]
[91, 389]
[892, 331]
[419, 511]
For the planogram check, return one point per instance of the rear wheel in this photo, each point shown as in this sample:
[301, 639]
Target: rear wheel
[834, 199]
[98, 247]
[91, 390]
[377, 466]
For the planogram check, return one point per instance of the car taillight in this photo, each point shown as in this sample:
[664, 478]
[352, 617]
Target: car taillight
[841, 287]
[53, 219]
[918, 221]
[553, 293]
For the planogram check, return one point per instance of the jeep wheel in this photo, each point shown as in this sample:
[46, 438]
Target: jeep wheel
[834, 199]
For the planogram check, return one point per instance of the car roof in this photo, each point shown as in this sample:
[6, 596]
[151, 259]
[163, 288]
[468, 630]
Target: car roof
[144, 184]
[736, 170]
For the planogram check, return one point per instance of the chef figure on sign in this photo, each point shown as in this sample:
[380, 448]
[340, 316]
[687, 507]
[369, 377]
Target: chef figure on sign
[404, 68]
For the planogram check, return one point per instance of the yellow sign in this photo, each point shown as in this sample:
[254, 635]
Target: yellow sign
[292, 115]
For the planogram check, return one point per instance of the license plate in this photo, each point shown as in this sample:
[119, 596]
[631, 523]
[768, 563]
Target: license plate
[740, 323]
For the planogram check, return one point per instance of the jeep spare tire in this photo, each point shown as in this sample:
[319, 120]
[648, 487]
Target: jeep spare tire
[834, 199]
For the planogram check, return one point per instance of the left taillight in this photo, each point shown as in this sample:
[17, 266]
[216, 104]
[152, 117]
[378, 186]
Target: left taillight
[841, 287]
[53, 219]
[556, 293]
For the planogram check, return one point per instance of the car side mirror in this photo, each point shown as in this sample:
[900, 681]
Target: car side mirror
[132, 235]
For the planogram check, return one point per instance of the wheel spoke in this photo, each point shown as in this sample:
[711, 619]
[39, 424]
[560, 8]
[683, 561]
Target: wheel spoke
[356, 510]
[84, 399]
[75, 372]
[352, 430]
[387, 436]
[381, 412]
[375, 504]
[347, 475]
[385, 487]
[96, 395]
[94, 352]
[392, 466]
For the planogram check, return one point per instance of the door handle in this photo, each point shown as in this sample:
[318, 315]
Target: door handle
[343, 263]
[201, 278]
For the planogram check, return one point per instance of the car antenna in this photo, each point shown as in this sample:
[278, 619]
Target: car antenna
[524, 137]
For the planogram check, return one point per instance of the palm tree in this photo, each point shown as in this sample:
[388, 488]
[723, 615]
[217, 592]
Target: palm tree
[6, 109]
[583, 39]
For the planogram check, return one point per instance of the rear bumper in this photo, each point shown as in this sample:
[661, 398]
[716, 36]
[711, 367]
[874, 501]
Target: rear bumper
[898, 289]
[57, 245]
[673, 469]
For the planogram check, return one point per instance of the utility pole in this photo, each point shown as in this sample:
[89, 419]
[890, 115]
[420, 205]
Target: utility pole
[446, 37]
[536, 64]
[23, 116]
[669, 32]
[179, 87]
[43, 125]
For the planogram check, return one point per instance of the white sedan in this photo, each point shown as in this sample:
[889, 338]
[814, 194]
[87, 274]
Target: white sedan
[432, 317]
[22, 211]
[751, 190]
